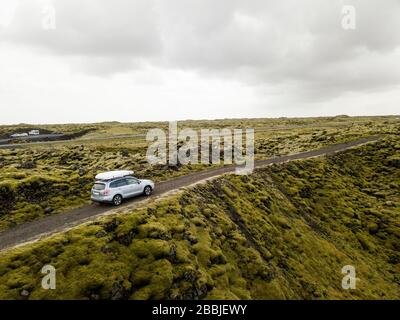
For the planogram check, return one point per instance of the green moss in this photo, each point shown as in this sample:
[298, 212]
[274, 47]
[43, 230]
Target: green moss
[58, 176]
[222, 241]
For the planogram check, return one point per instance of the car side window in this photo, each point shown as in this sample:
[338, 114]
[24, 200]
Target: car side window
[132, 181]
[122, 183]
[118, 183]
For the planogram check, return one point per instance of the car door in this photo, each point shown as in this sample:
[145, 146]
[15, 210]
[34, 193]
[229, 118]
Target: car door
[125, 188]
[134, 186]
[120, 187]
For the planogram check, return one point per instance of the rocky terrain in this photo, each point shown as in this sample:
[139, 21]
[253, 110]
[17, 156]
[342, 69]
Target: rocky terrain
[49, 178]
[284, 232]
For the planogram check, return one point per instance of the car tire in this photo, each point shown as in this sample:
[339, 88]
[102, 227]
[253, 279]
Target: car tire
[147, 191]
[117, 200]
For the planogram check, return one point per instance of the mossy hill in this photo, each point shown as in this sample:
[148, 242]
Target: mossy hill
[284, 232]
[46, 179]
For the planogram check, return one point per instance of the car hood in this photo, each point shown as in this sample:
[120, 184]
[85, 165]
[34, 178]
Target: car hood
[146, 181]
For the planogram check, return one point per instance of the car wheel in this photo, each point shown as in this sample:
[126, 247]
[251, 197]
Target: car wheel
[117, 200]
[147, 190]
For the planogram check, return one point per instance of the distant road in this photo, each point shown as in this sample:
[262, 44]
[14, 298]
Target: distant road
[4, 143]
[56, 223]
[53, 136]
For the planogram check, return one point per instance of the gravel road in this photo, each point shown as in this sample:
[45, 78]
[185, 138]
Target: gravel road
[52, 224]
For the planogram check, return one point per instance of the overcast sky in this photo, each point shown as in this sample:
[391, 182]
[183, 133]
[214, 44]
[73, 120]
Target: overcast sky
[143, 60]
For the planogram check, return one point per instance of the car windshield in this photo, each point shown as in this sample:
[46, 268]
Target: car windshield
[99, 186]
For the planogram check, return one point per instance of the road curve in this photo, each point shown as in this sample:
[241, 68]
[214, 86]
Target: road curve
[53, 224]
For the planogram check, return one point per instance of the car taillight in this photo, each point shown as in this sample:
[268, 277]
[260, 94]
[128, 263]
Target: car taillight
[106, 192]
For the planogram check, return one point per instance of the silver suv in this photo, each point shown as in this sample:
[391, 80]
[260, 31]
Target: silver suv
[116, 187]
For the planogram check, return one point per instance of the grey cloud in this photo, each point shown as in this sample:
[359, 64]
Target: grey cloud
[297, 44]
[107, 34]
[293, 41]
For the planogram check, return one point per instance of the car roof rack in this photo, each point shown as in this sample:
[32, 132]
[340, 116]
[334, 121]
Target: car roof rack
[111, 175]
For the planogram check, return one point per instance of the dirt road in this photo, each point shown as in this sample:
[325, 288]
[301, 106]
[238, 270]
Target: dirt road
[52, 224]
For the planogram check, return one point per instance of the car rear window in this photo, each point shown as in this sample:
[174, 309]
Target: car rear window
[99, 186]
